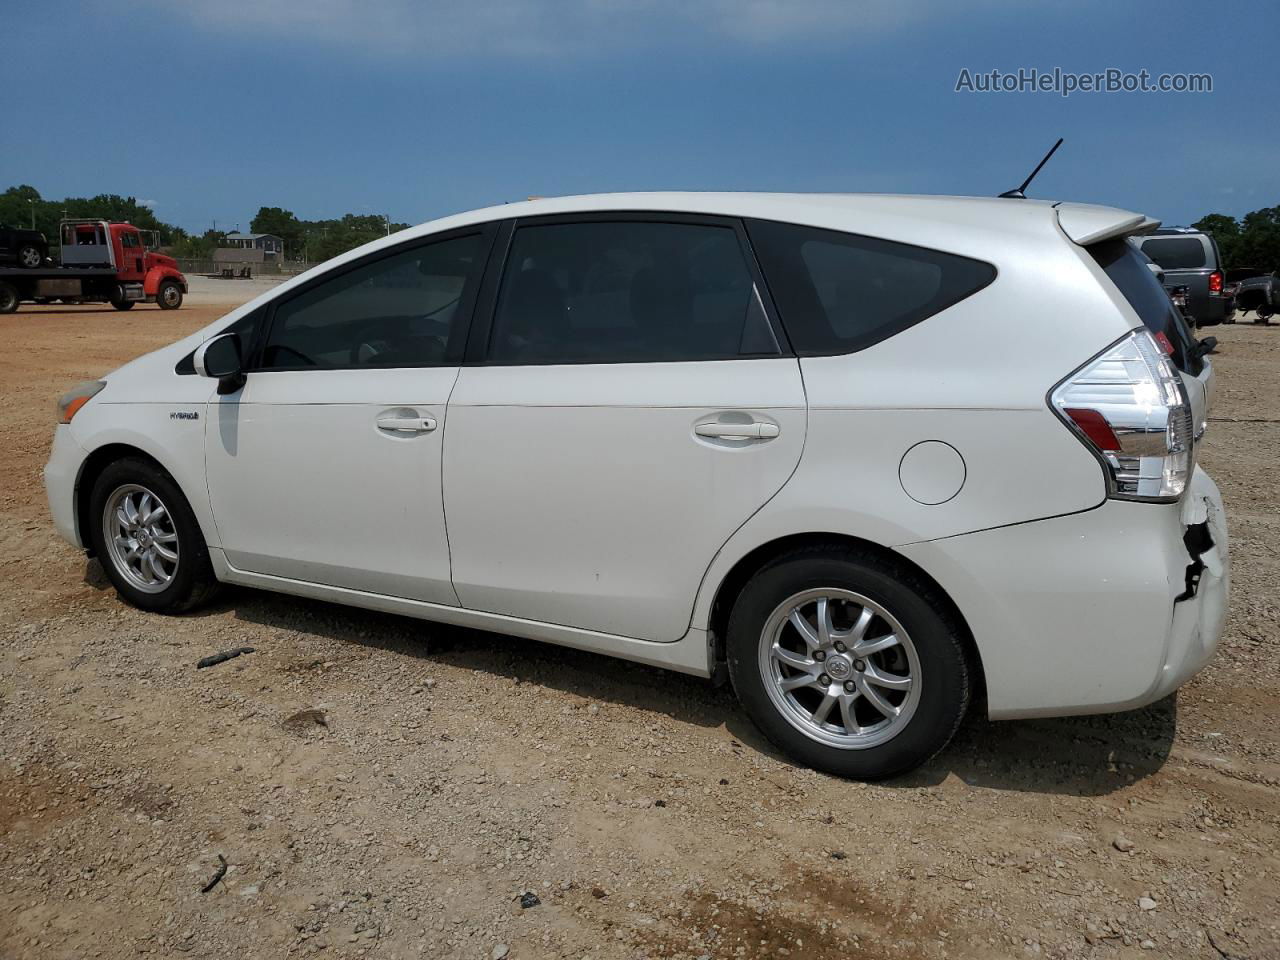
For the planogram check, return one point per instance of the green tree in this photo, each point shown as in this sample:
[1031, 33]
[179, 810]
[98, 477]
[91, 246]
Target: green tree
[1224, 229]
[280, 222]
[1259, 244]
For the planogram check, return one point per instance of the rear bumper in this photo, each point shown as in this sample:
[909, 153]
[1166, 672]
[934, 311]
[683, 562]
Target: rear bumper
[60, 475]
[1090, 613]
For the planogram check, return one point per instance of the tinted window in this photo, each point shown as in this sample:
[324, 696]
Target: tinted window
[1175, 253]
[396, 311]
[1138, 285]
[610, 292]
[839, 292]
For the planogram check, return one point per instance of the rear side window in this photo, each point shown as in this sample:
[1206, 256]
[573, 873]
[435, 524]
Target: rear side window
[628, 292]
[1175, 253]
[396, 311]
[841, 292]
[1125, 268]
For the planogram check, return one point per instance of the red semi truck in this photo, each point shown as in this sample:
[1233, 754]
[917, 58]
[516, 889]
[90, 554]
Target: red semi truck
[101, 262]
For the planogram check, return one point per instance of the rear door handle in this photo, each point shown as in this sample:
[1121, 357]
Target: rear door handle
[407, 424]
[755, 430]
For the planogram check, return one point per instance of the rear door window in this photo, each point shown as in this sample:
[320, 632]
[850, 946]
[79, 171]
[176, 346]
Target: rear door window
[840, 292]
[606, 291]
[1176, 253]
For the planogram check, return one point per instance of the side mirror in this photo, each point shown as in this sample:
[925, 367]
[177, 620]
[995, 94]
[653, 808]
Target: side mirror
[220, 359]
[1207, 346]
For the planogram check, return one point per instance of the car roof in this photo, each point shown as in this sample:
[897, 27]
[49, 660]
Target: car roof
[755, 204]
[957, 223]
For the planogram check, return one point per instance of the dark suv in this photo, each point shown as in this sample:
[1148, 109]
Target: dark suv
[25, 248]
[1190, 258]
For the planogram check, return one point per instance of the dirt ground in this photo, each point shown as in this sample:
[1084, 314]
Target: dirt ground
[386, 788]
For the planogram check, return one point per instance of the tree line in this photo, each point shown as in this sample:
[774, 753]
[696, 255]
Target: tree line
[1250, 241]
[310, 240]
[315, 240]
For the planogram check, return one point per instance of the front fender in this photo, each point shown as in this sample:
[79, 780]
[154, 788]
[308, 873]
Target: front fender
[157, 275]
[176, 443]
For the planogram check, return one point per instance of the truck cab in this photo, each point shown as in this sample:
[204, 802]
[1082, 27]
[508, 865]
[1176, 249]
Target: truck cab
[141, 274]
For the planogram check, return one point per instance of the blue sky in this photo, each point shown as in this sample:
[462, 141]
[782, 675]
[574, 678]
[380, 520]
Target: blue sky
[418, 108]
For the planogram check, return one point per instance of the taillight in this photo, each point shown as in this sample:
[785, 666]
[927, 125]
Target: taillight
[1165, 343]
[1215, 282]
[1130, 408]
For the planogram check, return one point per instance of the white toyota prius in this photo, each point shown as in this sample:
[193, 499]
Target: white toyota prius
[868, 456]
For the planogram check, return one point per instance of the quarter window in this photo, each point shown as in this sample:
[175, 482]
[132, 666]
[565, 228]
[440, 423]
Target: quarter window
[397, 311]
[626, 292]
[840, 292]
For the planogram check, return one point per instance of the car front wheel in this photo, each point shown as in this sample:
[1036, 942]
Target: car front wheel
[848, 663]
[147, 538]
[30, 257]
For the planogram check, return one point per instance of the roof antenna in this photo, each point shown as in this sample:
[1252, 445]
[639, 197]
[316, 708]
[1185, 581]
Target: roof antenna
[1018, 194]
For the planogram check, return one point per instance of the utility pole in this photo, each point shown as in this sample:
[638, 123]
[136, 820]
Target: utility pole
[33, 212]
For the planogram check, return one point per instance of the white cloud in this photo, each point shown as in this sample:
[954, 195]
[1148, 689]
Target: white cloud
[554, 27]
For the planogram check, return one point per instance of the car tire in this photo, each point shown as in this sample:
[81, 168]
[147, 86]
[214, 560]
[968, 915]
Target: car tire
[144, 533]
[169, 295]
[809, 692]
[30, 257]
[8, 298]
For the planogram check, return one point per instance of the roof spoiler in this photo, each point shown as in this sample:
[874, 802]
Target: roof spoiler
[1085, 223]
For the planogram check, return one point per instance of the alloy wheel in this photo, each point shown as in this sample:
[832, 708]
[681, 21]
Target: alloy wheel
[141, 540]
[840, 668]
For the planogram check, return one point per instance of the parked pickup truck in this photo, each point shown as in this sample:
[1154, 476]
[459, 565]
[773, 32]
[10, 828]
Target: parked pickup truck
[23, 248]
[1255, 289]
[1191, 258]
[100, 262]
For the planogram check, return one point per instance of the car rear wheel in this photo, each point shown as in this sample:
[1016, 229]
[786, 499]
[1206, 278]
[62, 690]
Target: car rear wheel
[847, 663]
[30, 257]
[169, 296]
[147, 538]
[8, 298]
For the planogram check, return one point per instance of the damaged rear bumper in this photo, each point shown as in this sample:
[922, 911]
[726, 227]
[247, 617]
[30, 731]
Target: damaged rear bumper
[1094, 612]
[1200, 610]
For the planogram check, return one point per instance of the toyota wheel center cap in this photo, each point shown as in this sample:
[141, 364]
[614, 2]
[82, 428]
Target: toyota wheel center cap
[838, 667]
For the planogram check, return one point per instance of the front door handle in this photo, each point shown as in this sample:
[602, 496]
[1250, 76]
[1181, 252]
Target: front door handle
[407, 424]
[754, 430]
